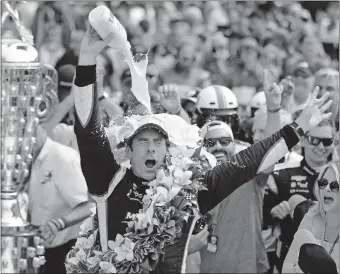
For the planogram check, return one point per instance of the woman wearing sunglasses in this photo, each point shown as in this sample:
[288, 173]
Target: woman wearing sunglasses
[322, 220]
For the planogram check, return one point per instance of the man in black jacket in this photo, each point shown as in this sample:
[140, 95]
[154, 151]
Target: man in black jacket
[110, 184]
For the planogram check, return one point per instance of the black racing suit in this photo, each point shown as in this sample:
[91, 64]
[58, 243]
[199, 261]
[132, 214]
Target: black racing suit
[102, 172]
[290, 178]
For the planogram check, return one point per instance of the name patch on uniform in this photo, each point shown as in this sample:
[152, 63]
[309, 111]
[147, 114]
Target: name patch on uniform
[299, 184]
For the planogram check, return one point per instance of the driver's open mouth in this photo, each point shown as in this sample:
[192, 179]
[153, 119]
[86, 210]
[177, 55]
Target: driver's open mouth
[150, 163]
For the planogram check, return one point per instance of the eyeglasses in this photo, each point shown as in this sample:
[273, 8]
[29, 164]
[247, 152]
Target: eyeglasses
[315, 141]
[301, 74]
[211, 142]
[323, 183]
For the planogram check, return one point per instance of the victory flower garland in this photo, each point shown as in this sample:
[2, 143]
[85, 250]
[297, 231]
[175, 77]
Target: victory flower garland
[167, 204]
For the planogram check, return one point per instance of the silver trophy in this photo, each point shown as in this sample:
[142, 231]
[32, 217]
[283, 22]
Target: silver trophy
[27, 98]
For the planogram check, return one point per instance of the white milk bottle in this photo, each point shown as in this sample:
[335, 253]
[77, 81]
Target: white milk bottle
[104, 22]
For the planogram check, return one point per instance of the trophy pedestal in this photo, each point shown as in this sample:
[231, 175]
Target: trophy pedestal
[21, 254]
[21, 251]
[12, 222]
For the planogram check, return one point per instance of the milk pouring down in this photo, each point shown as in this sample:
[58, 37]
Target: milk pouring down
[104, 22]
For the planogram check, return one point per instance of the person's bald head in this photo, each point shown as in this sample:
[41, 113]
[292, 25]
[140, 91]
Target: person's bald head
[218, 140]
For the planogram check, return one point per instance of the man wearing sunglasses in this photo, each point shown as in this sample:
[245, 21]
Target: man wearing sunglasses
[218, 139]
[241, 249]
[298, 177]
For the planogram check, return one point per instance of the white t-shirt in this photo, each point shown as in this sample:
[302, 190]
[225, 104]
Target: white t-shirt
[56, 187]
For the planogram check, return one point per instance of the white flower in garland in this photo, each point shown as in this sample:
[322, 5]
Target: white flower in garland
[107, 267]
[182, 178]
[85, 243]
[86, 226]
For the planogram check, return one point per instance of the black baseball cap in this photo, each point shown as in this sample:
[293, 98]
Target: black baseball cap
[304, 69]
[65, 76]
[65, 80]
[314, 258]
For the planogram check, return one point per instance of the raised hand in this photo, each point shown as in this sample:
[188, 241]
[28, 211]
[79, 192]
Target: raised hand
[281, 210]
[272, 91]
[91, 46]
[287, 86]
[315, 111]
[169, 98]
[48, 231]
[287, 93]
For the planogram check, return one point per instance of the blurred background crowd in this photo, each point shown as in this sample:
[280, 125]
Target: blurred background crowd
[196, 44]
[214, 54]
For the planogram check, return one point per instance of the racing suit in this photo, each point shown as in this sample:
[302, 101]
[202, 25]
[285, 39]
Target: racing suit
[117, 190]
[291, 178]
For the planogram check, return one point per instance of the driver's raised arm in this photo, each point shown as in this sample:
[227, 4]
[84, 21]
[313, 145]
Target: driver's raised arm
[97, 161]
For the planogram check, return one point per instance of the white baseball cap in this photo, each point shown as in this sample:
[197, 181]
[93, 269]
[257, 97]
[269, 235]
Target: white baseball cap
[217, 125]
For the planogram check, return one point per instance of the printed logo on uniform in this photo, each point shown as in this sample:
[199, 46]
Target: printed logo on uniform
[47, 177]
[299, 184]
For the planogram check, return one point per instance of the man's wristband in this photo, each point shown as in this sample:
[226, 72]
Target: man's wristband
[298, 129]
[59, 223]
[62, 222]
[274, 110]
[85, 75]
